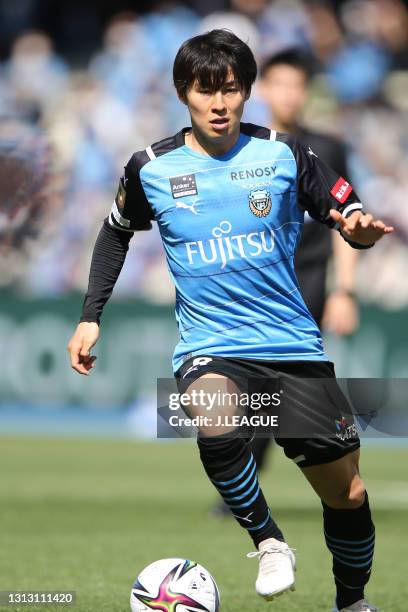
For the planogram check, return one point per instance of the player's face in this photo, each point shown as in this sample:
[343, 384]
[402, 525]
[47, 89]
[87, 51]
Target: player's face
[216, 115]
[284, 91]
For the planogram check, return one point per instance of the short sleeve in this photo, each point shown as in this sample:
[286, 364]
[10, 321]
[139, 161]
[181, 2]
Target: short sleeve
[320, 188]
[131, 211]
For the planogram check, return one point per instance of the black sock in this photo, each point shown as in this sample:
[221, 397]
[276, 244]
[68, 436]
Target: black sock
[350, 537]
[260, 448]
[232, 470]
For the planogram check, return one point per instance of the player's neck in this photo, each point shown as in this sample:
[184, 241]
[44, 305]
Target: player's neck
[198, 142]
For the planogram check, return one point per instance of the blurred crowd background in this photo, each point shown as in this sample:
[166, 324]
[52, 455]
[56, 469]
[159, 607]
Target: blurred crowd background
[84, 85]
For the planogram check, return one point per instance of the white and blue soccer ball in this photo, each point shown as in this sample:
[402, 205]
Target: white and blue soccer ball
[175, 585]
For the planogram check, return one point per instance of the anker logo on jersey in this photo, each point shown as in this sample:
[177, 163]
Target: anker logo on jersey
[260, 202]
[183, 186]
[254, 173]
[341, 190]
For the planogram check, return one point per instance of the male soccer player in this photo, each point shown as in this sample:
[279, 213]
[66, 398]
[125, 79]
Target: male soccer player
[239, 311]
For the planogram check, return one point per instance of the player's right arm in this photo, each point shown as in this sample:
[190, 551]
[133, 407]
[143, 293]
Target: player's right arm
[130, 212]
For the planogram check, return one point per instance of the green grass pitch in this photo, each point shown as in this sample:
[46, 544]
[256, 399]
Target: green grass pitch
[89, 515]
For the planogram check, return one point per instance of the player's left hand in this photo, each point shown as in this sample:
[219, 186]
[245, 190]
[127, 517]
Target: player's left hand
[360, 228]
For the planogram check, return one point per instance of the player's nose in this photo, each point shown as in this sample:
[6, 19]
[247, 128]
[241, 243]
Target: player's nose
[218, 102]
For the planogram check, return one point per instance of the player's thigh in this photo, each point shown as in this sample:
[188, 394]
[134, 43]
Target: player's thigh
[338, 483]
[215, 399]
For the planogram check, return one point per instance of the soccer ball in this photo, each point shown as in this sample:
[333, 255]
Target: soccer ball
[176, 585]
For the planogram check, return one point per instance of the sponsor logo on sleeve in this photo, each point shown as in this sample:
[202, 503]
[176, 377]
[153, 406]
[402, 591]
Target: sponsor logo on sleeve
[183, 186]
[121, 194]
[341, 190]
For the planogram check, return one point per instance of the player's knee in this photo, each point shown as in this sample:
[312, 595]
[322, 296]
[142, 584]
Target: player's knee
[348, 497]
[357, 493]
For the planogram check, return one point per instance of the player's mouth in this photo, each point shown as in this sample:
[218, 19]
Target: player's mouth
[220, 124]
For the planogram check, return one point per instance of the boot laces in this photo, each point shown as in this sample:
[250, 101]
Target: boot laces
[269, 560]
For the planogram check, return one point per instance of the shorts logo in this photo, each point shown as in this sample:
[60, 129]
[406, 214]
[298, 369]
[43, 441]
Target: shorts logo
[198, 362]
[121, 194]
[341, 190]
[260, 202]
[344, 431]
[183, 186]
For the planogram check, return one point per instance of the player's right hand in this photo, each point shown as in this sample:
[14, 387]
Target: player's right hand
[79, 347]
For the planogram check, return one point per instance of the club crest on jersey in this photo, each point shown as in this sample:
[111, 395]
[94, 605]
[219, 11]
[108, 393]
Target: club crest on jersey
[260, 202]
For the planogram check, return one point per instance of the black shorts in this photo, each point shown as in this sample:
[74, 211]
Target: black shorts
[316, 423]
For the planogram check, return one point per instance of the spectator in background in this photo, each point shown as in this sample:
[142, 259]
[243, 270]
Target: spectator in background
[29, 195]
[128, 61]
[358, 51]
[34, 73]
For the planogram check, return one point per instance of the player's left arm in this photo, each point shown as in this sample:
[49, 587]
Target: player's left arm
[331, 199]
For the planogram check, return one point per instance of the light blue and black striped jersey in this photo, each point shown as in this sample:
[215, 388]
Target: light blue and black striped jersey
[230, 225]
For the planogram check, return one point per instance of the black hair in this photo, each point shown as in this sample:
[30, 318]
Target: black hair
[295, 57]
[208, 58]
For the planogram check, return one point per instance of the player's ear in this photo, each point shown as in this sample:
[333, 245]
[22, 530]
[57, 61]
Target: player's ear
[247, 95]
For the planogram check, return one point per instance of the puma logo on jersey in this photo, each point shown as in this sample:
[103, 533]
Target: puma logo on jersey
[309, 150]
[188, 206]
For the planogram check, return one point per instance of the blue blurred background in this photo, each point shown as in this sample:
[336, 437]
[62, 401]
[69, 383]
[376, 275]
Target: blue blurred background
[84, 85]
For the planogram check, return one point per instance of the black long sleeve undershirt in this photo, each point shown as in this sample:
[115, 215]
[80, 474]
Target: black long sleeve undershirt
[108, 257]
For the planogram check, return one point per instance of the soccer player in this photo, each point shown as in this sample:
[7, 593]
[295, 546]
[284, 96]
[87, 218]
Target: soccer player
[238, 307]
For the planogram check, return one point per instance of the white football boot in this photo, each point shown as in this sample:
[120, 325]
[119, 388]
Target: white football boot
[361, 605]
[276, 568]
